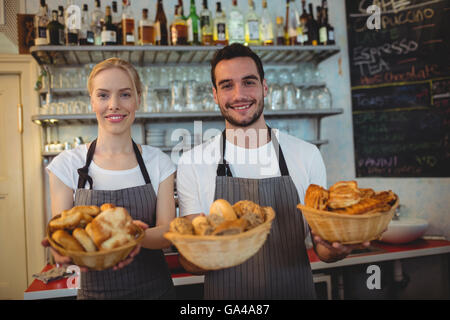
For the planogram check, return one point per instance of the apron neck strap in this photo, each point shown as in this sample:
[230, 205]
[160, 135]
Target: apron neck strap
[83, 173]
[223, 168]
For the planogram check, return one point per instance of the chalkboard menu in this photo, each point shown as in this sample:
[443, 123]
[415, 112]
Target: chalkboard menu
[400, 76]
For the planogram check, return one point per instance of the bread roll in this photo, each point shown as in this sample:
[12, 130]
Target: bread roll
[223, 208]
[316, 197]
[107, 206]
[249, 211]
[65, 240]
[215, 220]
[202, 227]
[181, 225]
[117, 240]
[90, 210]
[343, 194]
[231, 227]
[68, 220]
[84, 239]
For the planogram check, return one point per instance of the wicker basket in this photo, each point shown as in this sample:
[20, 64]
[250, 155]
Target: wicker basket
[99, 260]
[219, 252]
[347, 228]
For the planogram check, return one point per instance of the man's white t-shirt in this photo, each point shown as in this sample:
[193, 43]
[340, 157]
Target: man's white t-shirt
[65, 165]
[196, 172]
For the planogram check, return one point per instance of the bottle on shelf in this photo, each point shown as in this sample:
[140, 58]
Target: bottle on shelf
[220, 28]
[279, 31]
[266, 26]
[302, 36]
[291, 24]
[62, 20]
[178, 29]
[96, 23]
[41, 20]
[206, 25]
[326, 31]
[109, 31]
[161, 25]
[180, 4]
[55, 31]
[117, 21]
[193, 24]
[86, 35]
[146, 29]
[72, 25]
[313, 30]
[252, 25]
[236, 21]
[127, 24]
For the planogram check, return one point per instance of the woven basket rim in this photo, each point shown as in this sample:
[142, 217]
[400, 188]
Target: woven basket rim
[138, 239]
[348, 216]
[270, 217]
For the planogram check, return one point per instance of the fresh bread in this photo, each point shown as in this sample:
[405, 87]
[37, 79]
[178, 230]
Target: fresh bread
[343, 194]
[181, 225]
[84, 239]
[215, 220]
[231, 227]
[249, 211]
[223, 208]
[65, 240]
[117, 240]
[90, 210]
[316, 197]
[107, 206]
[202, 227]
[68, 220]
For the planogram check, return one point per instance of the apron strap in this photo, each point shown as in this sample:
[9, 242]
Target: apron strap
[83, 173]
[223, 168]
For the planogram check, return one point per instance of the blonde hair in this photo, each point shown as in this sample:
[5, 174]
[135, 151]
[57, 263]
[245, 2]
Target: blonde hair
[120, 64]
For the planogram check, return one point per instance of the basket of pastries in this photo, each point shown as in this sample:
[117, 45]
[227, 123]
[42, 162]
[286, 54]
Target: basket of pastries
[227, 237]
[348, 214]
[94, 237]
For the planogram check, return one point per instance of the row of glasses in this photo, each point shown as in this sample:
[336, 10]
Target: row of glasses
[67, 106]
[290, 97]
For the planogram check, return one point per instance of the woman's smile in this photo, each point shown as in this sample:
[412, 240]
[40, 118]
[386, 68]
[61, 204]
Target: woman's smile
[115, 118]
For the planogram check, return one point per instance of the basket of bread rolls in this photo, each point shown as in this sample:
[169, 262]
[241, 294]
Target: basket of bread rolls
[348, 214]
[94, 237]
[226, 237]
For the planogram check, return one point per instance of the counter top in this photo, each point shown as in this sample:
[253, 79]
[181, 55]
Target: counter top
[377, 252]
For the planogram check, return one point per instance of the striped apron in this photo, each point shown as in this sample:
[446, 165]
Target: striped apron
[281, 268]
[148, 276]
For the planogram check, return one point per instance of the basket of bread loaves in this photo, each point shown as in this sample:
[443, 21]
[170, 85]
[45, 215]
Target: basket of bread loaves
[94, 237]
[226, 237]
[348, 214]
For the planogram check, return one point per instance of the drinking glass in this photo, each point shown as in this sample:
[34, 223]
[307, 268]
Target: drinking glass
[290, 100]
[324, 100]
[177, 102]
[275, 97]
[191, 94]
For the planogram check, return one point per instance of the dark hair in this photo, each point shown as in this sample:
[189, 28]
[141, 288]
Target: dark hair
[235, 50]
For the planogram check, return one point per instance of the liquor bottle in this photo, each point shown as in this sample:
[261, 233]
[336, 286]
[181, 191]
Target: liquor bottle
[236, 28]
[291, 24]
[220, 28]
[178, 29]
[96, 23]
[146, 29]
[40, 24]
[86, 35]
[206, 25]
[109, 31]
[313, 30]
[61, 20]
[127, 24]
[303, 36]
[55, 31]
[252, 26]
[161, 25]
[193, 24]
[279, 31]
[329, 29]
[180, 4]
[117, 21]
[72, 29]
[266, 26]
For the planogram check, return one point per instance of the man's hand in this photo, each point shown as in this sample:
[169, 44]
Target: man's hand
[190, 267]
[332, 252]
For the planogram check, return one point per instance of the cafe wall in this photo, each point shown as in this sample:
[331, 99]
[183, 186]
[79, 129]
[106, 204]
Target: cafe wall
[427, 198]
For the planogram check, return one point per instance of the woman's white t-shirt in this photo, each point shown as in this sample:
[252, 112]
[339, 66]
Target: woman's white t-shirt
[65, 165]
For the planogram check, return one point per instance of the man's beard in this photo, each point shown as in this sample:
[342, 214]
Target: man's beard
[246, 123]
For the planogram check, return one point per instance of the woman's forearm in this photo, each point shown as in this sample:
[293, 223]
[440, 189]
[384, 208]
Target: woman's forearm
[154, 238]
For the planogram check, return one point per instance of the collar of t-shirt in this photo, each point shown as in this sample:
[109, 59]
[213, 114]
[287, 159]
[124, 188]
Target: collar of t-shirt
[255, 163]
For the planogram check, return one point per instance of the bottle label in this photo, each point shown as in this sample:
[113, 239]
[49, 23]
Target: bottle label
[221, 32]
[109, 36]
[190, 30]
[42, 32]
[204, 21]
[292, 32]
[90, 37]
[130, 37]
[157, 31]
[300, 35]
[236, 27]
[253, 29]
[323, 35]
[330, 35]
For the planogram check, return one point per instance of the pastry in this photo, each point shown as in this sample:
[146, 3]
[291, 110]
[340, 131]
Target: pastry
[231, 227]
[181, 225]
[215, 219]
[201, 226]
[343, 194]
[90, 210]
[68, 220]
[316, 197]
[65, 240]
[223, 207]
[367, 193]
[249, 211]
[386, 197]
[366, 205]
[117, 240]
[84, 239]
[107, 206]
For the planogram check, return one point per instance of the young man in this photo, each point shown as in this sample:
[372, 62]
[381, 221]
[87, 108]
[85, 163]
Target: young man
[249, 161]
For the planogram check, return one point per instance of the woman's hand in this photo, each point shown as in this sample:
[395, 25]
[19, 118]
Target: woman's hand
[59, 258]
[135, 252]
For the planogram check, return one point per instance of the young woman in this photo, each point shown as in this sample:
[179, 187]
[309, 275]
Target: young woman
[114, 169]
